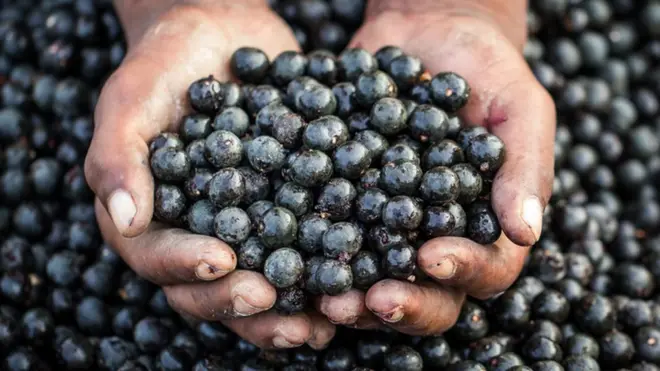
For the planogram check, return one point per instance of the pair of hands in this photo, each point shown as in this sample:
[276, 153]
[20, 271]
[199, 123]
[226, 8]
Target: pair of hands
[178, 43]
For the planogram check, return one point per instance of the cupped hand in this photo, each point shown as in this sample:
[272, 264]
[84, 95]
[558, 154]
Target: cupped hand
[471, 40]
[170, 45]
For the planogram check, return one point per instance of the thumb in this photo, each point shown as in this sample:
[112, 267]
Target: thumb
[117, 163]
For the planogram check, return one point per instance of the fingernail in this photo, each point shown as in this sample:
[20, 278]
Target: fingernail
[392, 316]
[443, 270]
[244, 296]
[208, 272]
[282, 342]
[532, 214]
[122, 209]
[242, 308]
[216, 264]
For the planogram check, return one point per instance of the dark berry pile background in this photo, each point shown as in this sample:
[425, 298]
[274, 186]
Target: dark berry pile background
[588, 298]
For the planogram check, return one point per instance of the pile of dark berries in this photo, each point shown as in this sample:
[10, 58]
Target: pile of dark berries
[321, 24]
[327, 172]
[588, 297]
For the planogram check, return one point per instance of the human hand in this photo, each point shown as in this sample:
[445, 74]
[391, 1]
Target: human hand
[172, 43]
[472, 39]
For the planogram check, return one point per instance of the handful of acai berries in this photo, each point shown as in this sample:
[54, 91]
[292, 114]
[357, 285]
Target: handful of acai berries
[328, 172]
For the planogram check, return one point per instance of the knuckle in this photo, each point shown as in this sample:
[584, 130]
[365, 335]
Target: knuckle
[174, 301]
[205, 306]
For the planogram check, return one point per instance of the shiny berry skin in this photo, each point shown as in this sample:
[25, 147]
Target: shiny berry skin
[428, 123]
[226, 187]
[402, 212]
[232, 225]
[232, 119]
[369, 205]
[316, 101]
[251, 254]
[388, 116]
[195, 126]
[325, 133]
[439, 185]
[400, 261]
[483, 226]
[386, 54]
[341, 241]
[311, 168]
[616, 349]
[310, 232]
[223, 149]
[351, 160]
[401, 178]
[366, 268]
[169, 202]
[372, 86]
[336, 199]
[287, 66]
[405, 70]
[403, 357]
[200, 217]
[283, 267]
[287, 129]
[249, 64]
[450, 91]
[355, 61]
[444, 153]
[277, 228]
[448, 219]
[322, 66]
[333, 277]
[205, 95]
[400, 152]
[170, 164]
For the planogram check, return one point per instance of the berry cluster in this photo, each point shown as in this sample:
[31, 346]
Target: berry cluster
[328, 172]
[327, 25]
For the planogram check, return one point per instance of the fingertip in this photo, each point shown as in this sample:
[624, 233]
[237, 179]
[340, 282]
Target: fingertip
[521, 223]
[322, 332]
[122, 181]
[122, 210]
[344, 309]
[216, 262]
[292, 331]
[436, 264]
[251, 293]
[532, 215]
[387, 300]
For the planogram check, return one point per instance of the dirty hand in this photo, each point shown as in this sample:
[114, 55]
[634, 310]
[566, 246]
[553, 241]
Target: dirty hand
[481, 41]
[172, 43]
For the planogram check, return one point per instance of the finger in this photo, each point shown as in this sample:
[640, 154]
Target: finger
[482, 271]
[239, 294]
[348, 309]
[415, 309]
[147, 95]
[506, 98]
[269, 330]
[167, 256]
[322, 331]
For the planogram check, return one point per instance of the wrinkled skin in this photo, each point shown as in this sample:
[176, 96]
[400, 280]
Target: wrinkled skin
[172, 44]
